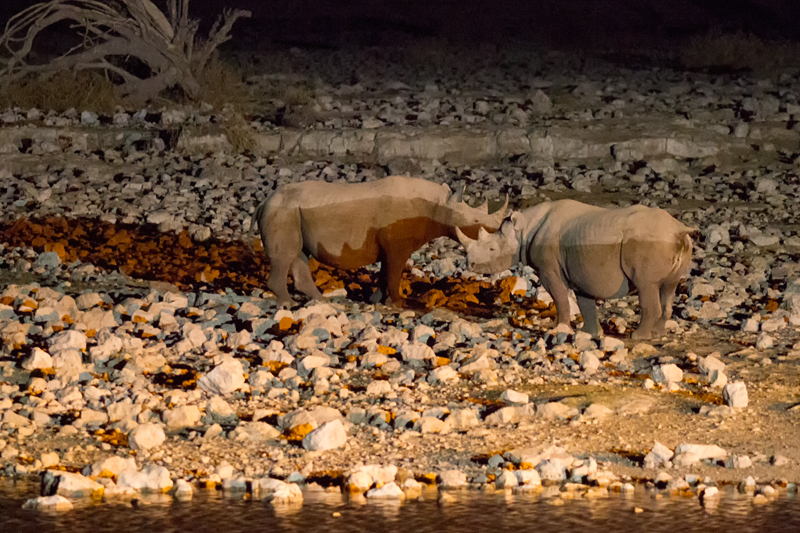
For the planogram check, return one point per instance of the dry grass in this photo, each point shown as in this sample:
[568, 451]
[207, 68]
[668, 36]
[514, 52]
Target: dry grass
[222, 85]
[738, 51]
[81, 90]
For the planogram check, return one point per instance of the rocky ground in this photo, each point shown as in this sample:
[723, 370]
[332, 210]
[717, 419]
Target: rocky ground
[140, 351]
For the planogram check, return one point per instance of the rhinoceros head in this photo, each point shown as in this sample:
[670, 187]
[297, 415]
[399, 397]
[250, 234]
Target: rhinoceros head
[492, 252]
[456, 213]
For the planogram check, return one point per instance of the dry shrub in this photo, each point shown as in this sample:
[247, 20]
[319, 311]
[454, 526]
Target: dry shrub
[297, 95]
[238, 131]
[739, 51]
[82, 90]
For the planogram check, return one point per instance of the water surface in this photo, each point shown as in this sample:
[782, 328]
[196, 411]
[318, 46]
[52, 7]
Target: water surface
[213, 512]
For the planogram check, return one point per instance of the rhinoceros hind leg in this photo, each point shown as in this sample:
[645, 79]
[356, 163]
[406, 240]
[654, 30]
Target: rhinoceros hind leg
[650, 302]
[303, 280]
[667, 293]
[588, 307]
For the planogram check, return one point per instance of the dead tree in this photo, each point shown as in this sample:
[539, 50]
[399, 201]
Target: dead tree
[166, 43]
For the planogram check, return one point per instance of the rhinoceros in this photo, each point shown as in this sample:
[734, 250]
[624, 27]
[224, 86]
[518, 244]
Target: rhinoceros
[598, 252]
[351, 225]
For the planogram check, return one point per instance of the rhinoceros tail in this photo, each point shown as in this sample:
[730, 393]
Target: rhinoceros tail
[255, 220]
[683, 258]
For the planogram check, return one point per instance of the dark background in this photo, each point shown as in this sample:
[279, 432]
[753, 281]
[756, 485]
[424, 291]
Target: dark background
[561, 23]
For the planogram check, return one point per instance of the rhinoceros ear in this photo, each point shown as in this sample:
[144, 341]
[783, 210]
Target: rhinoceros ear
[457, 196]
[465, 241]
[483, 234]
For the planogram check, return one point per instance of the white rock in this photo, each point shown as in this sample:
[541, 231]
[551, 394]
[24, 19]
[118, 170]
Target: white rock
[764, 341]
[359, 482]
[550, 470]
[735, 394]
[708, 364]
[690, 454]
[597, 411]
[146, 436]
[658, 457]
[38, 359]
[72, 484]
[553, 410]
[513, 397]
[452, 479]
[49, 503]
[390, 491]
[153, 478]
[461, 420]
[114, 465]
[67, 340]
[717, 379]
[50, 459]
[443, 374]
[590, 361]
[428, 424]
[328, 436]
[506, 480]
[180, 417]
[738, 461]
[287, 493]
[666, 374]
[528, 477]
[227, 377]
[379, 388]
[380, 473]
[183, 489]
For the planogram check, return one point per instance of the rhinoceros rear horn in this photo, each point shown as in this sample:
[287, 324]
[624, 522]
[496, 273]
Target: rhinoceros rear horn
[500, 214]
[483, 235]
[463, 239]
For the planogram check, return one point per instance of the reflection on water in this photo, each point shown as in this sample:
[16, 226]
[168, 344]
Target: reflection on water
[213, 512]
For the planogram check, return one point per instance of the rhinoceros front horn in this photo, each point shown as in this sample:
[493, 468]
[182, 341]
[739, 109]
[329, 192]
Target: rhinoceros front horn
[465, 241]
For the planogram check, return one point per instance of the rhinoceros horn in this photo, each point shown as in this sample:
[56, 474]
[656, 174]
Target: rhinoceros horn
[483, 235]
[500, 214]
[465, 241]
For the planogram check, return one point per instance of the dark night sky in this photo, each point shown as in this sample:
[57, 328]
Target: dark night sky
[581, 22]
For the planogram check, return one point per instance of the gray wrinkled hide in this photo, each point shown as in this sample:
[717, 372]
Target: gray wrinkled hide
[597, 252]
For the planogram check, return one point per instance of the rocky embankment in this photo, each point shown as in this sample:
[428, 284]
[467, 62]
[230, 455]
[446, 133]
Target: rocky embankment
[139, 352]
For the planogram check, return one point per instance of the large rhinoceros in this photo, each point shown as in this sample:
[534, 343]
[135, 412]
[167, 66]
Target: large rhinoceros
[597, 252]
[351, 225]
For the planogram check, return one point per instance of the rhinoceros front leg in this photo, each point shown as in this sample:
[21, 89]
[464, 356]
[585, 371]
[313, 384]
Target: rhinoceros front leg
[650, 302]
[393, 261]
[303, 280]
[559, 291]
[588, 307]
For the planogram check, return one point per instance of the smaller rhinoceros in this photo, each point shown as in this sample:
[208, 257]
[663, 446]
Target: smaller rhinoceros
[597, 252]
[351, 225]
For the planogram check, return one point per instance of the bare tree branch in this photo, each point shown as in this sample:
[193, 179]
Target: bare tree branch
[135, 28]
